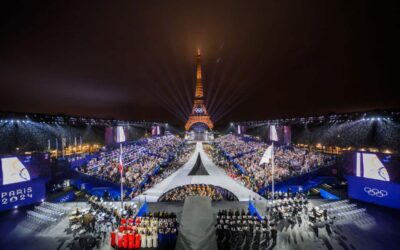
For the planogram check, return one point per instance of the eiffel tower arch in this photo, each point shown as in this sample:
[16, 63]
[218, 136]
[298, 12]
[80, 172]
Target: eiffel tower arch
[199, 115]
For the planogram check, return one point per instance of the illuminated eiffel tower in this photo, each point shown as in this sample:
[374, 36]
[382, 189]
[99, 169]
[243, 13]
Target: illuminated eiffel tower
[199, 113]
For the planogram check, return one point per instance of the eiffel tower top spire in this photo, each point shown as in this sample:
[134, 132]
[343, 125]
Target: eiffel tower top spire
[199, 83]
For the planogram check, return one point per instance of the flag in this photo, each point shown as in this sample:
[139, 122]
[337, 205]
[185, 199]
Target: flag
[273, 134]
[267, 155]
[120, 162]
[120, 170]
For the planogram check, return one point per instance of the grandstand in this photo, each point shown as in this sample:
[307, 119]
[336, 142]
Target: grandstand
[199, 125]
[159, 171]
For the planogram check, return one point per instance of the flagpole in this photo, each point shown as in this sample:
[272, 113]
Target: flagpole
[273, 166]
[122, 187]
[56, 148]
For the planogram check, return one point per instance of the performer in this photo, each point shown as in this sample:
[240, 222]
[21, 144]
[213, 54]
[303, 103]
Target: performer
[325, 212]
[143, 239]
[126, 242]
[137, 221]
[134, 229]
[113, 238]
[161, 237]
[173, 236]
[168, 236]
[274, 235]
[267, 236]
[137, 241]
[149, 240]
[155, 239]
[131, 238]
[120, 240]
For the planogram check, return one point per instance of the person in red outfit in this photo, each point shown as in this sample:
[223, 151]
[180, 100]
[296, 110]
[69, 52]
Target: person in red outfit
[130, 221]
[123, 221]
[134, 229]
[121, 228]
[137, 241]
[120, 242]
[113, 238]
[137, 221]
[131, 237]
[125, 244]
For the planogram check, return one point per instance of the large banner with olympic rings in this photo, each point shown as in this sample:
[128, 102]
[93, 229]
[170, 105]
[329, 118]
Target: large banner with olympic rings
[374, 191]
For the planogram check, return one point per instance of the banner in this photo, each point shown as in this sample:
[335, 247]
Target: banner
[23, 193]
[374, 191]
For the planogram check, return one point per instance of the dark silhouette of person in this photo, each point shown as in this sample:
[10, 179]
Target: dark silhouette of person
[274, 235]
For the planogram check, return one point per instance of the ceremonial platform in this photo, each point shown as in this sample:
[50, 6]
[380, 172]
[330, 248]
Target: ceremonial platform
[216, 176]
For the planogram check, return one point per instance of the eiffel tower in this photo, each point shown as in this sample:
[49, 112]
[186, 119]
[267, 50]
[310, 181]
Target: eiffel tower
[199, 112]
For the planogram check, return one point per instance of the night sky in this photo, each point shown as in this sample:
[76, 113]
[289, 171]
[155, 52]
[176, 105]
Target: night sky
[136, 59]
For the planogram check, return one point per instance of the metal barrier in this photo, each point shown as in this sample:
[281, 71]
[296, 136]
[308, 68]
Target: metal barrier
[332, 204]
[44, 215]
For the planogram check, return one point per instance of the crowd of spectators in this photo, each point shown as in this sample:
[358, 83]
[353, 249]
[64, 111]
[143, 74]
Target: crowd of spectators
[289, 161]
[139, 160]
[203, 190]
[183, 155]
[235, 146]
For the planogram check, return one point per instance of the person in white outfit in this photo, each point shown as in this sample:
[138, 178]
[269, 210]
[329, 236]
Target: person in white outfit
[143, 239]
[149, 240]
[155, 239]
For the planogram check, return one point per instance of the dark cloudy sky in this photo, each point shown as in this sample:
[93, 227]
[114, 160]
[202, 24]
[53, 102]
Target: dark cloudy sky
[261, 59]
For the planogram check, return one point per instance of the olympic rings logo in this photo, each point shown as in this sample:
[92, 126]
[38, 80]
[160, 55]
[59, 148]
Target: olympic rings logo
[376, 192]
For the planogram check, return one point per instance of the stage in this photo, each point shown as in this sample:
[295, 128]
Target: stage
[375, 231]
[216, 177]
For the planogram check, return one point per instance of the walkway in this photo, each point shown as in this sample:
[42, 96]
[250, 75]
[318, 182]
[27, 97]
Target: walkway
[181, 177]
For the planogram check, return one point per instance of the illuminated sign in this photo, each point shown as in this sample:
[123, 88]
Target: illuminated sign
[22, 182]
[199, 110]
[13, 171]
[20, 194]
[369, 166]
[375, 191]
